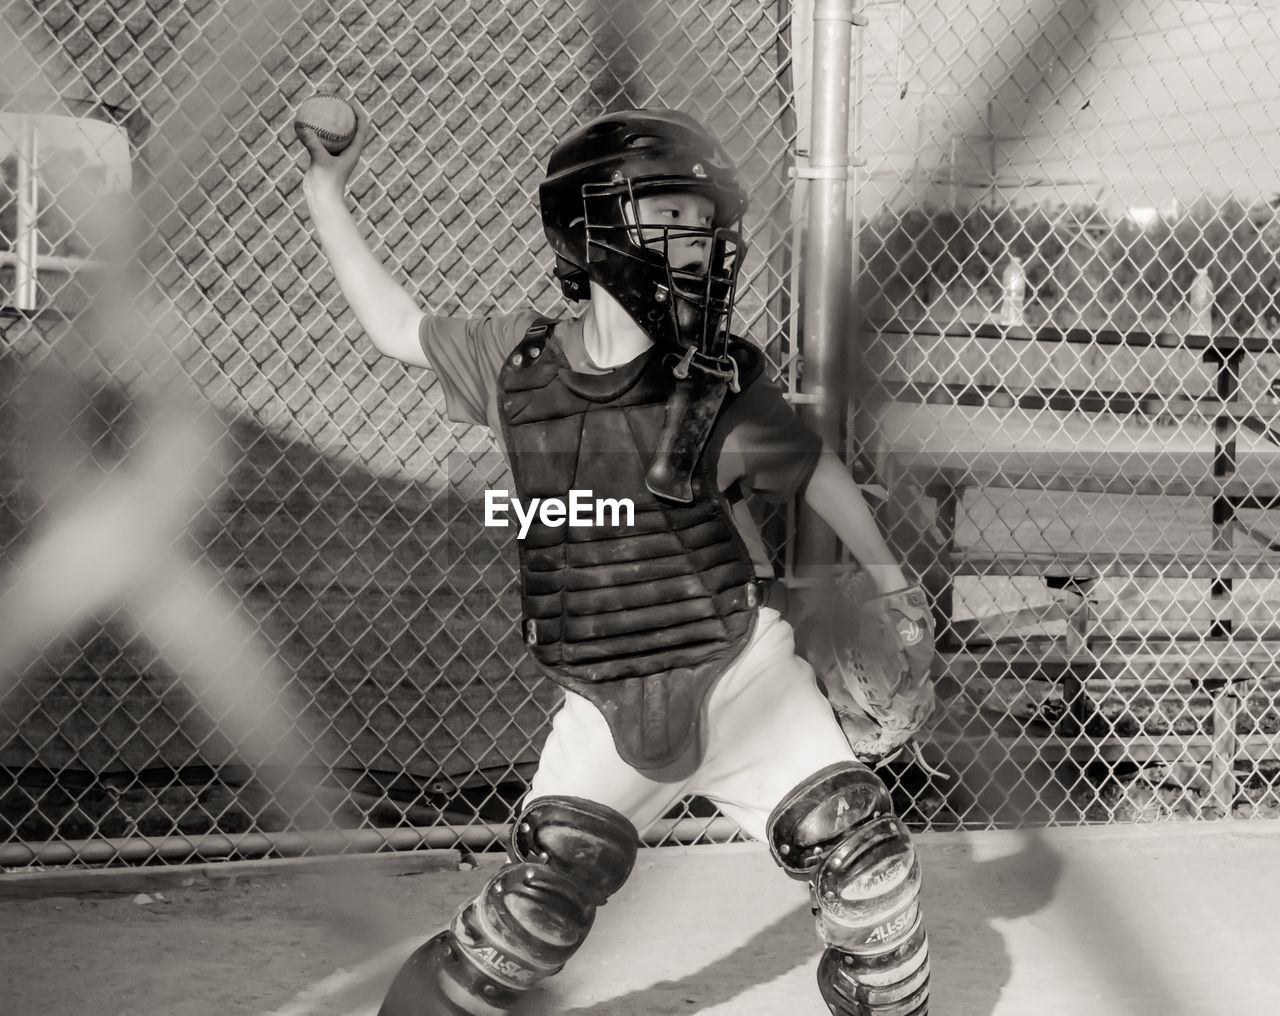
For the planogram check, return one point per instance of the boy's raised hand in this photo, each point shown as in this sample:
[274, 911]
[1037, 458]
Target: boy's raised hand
[332, 172]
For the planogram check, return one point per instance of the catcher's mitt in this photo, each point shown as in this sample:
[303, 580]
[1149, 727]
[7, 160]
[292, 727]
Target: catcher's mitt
[873, 654]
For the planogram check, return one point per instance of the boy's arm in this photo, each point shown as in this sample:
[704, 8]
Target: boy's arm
[765, 443]
[387, 313]
[465, 353]
[833, 495]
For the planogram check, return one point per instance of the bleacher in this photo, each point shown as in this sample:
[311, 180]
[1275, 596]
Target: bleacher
[1212, 669]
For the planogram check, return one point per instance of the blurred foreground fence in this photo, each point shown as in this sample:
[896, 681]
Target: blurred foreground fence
[1066, 314]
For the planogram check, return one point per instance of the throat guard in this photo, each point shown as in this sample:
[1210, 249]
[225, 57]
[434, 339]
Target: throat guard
[640, 618]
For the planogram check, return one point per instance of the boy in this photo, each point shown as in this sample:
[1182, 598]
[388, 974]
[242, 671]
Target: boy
[678, 678]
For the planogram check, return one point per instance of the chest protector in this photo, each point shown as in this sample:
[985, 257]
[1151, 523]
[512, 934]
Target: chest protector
[638, 618]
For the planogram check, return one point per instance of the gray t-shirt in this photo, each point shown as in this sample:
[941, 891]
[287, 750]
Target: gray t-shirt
[761, 443]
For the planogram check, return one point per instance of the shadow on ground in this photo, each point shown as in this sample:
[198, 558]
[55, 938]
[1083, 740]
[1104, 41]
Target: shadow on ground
[971, 960]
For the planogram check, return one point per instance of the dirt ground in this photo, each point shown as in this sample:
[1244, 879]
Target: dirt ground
[1151, 920]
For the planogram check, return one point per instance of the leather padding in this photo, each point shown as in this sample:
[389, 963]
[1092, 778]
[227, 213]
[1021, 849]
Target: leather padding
[640, 619]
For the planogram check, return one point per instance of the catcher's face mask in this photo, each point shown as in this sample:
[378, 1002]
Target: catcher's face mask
[665, 251]
[603, 210]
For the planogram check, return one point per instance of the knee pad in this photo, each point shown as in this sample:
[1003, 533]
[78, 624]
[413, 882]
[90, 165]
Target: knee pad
[816, 816]
[568, 857]
[836, 831]
[589, 843]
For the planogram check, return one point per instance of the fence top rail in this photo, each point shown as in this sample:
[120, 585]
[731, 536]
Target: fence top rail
[1222, 339]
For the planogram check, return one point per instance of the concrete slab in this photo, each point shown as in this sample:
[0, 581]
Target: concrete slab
[1174, 919]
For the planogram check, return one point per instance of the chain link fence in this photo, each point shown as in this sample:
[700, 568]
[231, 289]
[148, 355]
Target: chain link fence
[348, 537]
[1068, 240]
[1065, 293]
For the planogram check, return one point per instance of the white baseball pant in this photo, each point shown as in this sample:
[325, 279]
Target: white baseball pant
[769, 727]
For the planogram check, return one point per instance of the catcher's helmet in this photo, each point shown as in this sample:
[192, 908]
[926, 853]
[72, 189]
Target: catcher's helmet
[594, 178]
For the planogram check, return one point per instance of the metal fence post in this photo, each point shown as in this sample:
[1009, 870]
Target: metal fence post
[827, 252]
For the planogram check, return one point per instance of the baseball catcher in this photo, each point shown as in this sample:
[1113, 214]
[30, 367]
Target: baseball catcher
[680, 675]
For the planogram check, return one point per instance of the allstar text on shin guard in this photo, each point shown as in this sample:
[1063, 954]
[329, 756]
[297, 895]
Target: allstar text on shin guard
[582, 510]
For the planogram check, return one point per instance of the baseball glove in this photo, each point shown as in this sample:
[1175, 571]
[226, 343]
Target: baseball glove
[873, 654]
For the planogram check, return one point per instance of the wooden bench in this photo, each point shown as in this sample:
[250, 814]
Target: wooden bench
[1222, 476]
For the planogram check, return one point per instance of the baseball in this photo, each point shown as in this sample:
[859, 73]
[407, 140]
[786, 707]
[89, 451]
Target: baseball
[332, 118]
